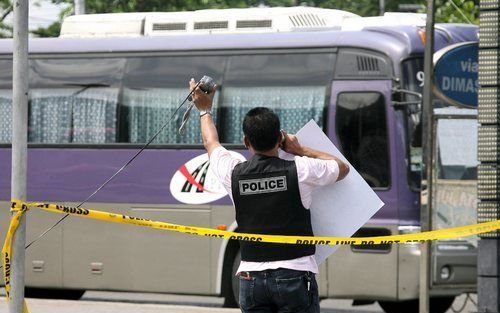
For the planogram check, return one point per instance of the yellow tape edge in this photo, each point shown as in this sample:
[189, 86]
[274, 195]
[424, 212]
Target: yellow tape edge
[449, 233]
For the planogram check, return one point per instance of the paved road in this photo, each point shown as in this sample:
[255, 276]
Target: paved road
[122, 302]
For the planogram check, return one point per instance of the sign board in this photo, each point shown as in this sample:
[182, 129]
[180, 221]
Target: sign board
[342, 208]
[456, 74]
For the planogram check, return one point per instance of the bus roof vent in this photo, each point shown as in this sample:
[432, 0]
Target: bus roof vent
[211, 25]
[367, 65]
[254, 23]
[307, 20]
[256, 20]
[165, 27]
[353, 63]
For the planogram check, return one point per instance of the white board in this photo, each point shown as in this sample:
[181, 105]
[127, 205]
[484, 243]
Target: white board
[342, 208]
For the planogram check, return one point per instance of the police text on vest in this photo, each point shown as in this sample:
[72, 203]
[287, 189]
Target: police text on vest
[262, 185]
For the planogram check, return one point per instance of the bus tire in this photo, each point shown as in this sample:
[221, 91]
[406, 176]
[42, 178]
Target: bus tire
[230, 283]
[436, 305]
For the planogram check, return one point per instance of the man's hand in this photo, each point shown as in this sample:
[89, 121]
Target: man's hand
[203, 101]
[291, 145]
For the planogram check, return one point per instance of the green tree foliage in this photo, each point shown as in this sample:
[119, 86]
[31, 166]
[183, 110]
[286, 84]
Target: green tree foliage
[51, 31]
[5, 10]
[455, 11]
[447, 11]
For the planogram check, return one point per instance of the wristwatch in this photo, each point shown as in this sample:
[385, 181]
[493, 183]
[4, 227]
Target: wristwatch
[205, 112]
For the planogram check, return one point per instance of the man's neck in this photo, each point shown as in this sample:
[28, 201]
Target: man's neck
[269, 153]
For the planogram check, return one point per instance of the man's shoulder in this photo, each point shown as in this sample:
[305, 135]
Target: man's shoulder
[223, 161]
[218, 152]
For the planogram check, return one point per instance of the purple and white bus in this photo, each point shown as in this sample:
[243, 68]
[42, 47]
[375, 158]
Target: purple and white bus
[94, 101]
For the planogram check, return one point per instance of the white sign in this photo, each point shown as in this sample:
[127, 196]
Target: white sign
[342, 208]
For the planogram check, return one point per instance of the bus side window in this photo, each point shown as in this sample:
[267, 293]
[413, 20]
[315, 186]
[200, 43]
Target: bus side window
[457, 154]
[146, 111]
[5, 115]
[73, 115]
[293, 85]
[74, 100]
[362, 130]
[5, 101]
[295, 106]
[153, 88]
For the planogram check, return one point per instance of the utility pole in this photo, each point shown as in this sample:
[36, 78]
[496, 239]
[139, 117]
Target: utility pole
[79, 7]
[19, 147]
[488, 183]
[426, 189]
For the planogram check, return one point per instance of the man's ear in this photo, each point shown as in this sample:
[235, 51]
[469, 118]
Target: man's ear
[281, 139]
[246, 142]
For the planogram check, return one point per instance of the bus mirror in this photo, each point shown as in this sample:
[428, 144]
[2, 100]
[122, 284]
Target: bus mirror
[399, 94]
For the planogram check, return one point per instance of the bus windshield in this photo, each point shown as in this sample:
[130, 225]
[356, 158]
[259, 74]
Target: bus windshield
[413, 80]
[454, 192]
[457, 148]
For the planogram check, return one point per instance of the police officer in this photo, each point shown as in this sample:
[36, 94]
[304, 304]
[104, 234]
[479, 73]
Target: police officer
[271, 196]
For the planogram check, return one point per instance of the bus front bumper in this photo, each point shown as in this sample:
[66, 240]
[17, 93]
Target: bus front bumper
[453, 266]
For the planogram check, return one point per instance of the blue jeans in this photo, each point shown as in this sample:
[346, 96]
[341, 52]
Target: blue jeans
[278, 291]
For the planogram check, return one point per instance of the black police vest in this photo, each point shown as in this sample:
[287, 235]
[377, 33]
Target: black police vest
[267, 201]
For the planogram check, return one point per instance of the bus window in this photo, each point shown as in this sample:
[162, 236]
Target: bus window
[148, 110]
[457, 142]
[79, 72]
[294, 105]
[78, 115]
[5, 116]
[153, 89]
[362, 130]
[171, 72]
[279, 70]
[292, 85]
[455, 180]
[6, 74]
[413, 80]
[94, 115]
[5, 101]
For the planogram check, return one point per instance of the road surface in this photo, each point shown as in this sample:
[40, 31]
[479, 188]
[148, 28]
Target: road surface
[125, 302]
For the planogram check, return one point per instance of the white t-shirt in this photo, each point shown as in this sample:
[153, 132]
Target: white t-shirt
[312, 173]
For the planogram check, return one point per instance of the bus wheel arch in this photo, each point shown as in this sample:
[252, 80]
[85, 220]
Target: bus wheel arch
[437, 305]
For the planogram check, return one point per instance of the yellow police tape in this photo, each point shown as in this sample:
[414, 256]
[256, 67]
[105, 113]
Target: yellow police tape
[19, 207]
[7, 249]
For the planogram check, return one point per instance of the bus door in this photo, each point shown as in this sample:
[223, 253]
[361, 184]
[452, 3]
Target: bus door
[361, 123]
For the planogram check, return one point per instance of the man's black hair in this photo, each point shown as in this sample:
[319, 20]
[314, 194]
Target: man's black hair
[262, 128]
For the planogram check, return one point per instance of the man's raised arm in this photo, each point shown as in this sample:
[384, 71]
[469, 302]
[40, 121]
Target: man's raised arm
[203, 103]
